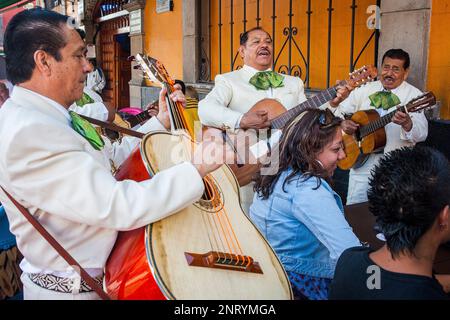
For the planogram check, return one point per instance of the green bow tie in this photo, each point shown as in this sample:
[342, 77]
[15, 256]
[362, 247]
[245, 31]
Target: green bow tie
[86, 129]
[85, 99]
[384, 99]
[265, 79]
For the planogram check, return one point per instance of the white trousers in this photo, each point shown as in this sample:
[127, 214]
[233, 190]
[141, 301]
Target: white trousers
[358, 183]
[32, 291]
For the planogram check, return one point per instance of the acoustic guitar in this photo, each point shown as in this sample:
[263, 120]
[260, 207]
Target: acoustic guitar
[209, 250]
[127, 121]
[371, 135]
[247, 165]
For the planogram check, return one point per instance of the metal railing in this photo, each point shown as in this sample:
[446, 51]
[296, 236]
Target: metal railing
[297, 62]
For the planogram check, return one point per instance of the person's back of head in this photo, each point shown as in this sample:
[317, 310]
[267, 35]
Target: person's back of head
[27, 32]
[409, 192]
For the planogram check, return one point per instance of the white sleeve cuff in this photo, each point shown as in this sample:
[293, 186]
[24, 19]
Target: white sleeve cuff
[238, 122]
[406, 135]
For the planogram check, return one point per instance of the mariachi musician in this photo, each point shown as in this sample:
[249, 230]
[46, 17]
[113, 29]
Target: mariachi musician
[383, 95]
[56, 166]
[234, 93]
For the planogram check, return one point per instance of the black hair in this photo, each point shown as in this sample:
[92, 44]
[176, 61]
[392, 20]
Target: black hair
[81, 33]
[93, 61]
[398, 54]
[27, 32]
[408, 189]
[244, 36]
[303, 138]
[183, 86]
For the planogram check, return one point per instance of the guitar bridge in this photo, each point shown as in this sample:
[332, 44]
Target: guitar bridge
[220, 260]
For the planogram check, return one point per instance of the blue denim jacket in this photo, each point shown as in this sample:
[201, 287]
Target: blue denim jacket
[306, 227]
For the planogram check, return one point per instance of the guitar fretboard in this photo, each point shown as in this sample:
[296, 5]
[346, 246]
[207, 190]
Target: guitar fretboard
[314, 102]
[379, 123]
[139, 118]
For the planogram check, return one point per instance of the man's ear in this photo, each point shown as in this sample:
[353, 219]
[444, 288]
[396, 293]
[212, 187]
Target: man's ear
[406, 74]
[43, 62]
[443, 218]
[241, 51]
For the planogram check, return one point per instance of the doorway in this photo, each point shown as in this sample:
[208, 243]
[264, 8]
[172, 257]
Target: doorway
[122, 70]
[114, 52]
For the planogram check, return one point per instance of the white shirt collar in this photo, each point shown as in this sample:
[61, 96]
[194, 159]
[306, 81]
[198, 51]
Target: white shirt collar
[396, 90]
[51, 102]
[252, 70]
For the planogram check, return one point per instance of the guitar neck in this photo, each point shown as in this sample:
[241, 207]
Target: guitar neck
[379, 123]
[177, 117]
[314, 102]
[138, 118]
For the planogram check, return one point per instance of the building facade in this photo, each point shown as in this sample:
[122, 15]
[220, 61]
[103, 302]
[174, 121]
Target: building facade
[320, 41]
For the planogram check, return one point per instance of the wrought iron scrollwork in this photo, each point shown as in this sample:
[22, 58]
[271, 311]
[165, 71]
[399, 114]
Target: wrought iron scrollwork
[290, 69]
[288, 57]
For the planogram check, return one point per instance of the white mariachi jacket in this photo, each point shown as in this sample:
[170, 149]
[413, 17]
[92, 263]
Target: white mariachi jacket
[67, 185]
[233, 95]
[96, 110]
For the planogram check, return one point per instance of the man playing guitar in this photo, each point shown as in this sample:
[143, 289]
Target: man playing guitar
[234, 93]
[383, 95]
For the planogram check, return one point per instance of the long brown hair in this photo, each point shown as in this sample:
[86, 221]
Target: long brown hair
[303, 138]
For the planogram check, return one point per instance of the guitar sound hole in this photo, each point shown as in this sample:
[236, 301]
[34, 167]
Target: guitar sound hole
[111, 134]
[212, 198]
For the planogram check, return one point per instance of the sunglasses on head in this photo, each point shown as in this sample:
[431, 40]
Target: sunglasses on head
[326, 118]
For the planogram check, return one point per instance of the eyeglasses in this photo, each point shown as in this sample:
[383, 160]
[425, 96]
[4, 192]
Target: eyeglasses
[326, 118]
[394, 69]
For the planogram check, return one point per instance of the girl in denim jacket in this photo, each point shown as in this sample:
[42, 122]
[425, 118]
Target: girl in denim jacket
[297, 210]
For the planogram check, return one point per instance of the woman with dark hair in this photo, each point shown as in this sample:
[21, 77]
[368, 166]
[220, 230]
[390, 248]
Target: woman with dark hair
[409, 195]
[297, 210]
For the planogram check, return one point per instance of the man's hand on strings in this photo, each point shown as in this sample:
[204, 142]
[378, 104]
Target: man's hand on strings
[163, 112]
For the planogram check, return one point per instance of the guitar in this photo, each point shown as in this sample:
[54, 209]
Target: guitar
[127, 121]
[209, 250]
[132, 120]
[371, 135]
[279, 116]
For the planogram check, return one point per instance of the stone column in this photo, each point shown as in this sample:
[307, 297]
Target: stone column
[191, 38]
[136, 9]
[405, 24]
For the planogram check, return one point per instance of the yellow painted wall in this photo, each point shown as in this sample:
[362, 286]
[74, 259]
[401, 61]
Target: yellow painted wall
[164, 36]
[340, 42]
[439, 55]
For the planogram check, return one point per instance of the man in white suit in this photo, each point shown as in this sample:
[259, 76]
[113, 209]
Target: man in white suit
[383, 95]
[227, 105]
[91, 105]
[62, 174]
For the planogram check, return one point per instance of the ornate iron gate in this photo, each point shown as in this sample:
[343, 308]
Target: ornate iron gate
[293, 33]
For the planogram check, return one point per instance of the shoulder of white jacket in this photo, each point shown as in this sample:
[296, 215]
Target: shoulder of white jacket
[292, 79]
[229, 75]
[412, 88]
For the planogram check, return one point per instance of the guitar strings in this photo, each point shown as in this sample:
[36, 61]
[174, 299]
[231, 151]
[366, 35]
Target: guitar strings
[216, 241]
[218, 225]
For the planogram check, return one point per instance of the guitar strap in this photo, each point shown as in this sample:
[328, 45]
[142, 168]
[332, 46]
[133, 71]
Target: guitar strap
[61, 251]
[114, 127]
